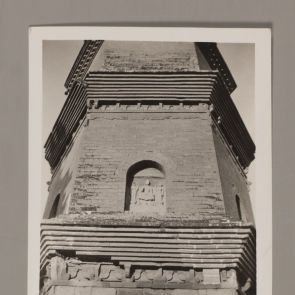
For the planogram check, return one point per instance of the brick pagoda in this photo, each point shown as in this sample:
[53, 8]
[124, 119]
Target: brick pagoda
[149, 194]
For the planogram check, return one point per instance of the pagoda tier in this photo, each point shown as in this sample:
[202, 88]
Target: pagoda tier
[129, 252]
[185, 87]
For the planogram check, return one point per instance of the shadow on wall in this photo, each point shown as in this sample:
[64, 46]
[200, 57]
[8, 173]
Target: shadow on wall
[58, 196]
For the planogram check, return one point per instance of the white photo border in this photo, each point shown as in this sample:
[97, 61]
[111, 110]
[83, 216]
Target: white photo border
[263, 132]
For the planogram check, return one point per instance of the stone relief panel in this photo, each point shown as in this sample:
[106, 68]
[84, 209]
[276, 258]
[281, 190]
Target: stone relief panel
[73, 271]
[148, 192]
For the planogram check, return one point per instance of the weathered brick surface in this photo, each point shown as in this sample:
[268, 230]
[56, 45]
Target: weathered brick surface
[221, 292]
[188, 292]
[155, 292]
[146, 57]
[126, 291]
[92, 174]
[79, 290]
[181, 142]
[103, 291]
[233, 181]
[64, 176]
[162, 292]
[63, 290]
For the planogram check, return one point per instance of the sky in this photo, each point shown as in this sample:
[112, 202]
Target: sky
[59, 56]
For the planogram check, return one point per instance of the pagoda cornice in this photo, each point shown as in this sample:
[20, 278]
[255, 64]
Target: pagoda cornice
[216, 62]
[83, 62]
[162, 89]
[162, 244]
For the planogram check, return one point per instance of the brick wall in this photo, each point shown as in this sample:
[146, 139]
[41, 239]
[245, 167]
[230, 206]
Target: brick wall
[181, 143]
[73, 290]
[92, 174]
[64, 176]
[141, 56]
[233, 181]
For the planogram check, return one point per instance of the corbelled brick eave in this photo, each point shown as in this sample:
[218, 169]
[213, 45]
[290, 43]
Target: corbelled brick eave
[83, 62]
[161, 243]
[185, 87]
[216, 62]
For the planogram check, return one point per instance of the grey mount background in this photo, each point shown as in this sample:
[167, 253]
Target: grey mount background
[15, 19]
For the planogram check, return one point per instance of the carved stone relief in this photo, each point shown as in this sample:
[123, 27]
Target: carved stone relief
[147, 196]
[74, 270]
[110, 273]
[148, 192]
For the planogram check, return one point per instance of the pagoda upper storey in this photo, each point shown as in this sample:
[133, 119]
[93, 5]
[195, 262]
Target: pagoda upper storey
[160, 72]
[134, 56]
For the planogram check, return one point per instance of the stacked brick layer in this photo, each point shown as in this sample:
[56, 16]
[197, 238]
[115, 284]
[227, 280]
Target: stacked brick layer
[215, 246]
[72, 290]
[136, 87]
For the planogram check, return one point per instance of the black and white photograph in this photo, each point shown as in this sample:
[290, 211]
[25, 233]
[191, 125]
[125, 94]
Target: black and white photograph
[152, 173]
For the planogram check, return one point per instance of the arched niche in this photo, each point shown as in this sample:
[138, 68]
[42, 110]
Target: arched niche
[145, 188]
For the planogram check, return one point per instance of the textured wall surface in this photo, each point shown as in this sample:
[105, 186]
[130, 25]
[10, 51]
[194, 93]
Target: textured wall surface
[71, 290]
[233, 181]
[181, 143]
[63, 178]
[148, 56]
[199, 169]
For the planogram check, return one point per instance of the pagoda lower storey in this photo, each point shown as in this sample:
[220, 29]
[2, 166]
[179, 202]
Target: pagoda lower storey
[107, 256]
